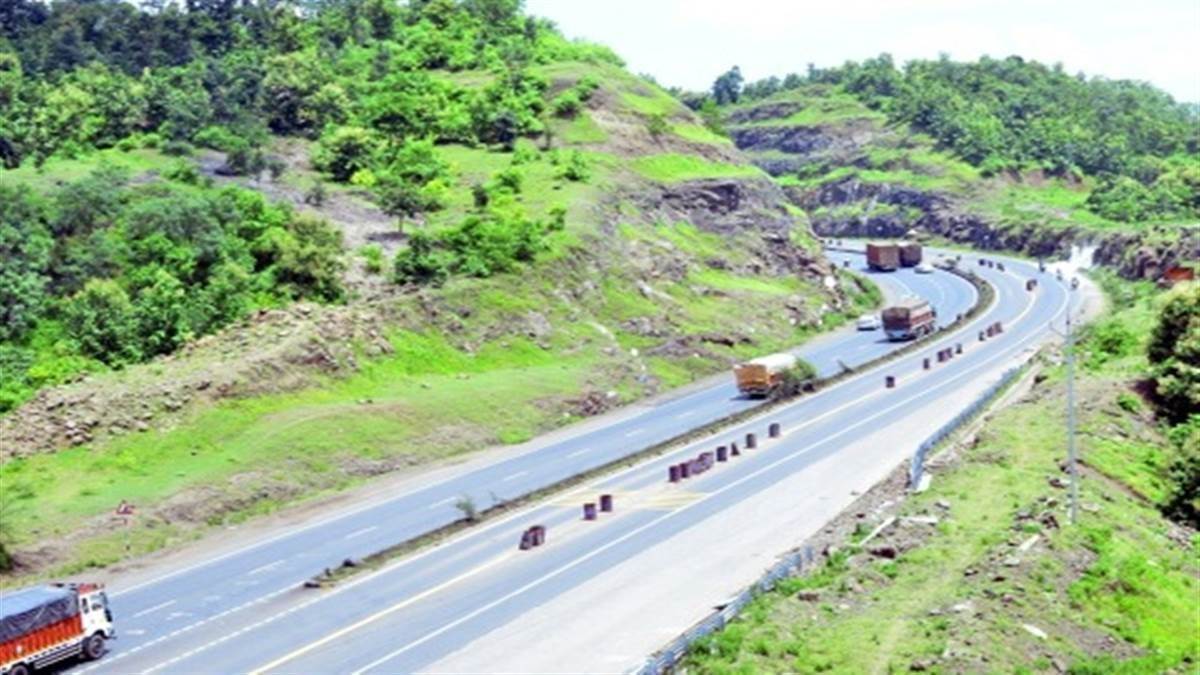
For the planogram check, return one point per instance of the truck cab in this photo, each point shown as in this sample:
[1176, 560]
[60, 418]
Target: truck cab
[93, 607]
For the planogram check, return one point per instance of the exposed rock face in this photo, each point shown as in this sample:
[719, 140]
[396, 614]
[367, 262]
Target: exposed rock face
[724, 206]
[795, 147]
[733, 207]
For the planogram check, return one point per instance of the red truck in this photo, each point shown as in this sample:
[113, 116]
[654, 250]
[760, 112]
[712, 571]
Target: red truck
[883, 256]
[908, 319]
[42, 625]
[910, 253]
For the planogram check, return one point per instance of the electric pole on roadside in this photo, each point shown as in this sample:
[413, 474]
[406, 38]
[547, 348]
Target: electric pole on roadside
[1071, 458]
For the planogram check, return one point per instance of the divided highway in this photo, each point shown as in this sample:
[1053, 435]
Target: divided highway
[243, 609]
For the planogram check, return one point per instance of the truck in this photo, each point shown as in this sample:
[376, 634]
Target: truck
[910, 254]
[42, 625]
[908, 319]
[759, 377]
[883, 256]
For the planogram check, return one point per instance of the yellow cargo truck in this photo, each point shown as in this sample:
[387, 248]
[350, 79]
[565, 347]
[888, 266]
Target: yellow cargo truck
[759, 377]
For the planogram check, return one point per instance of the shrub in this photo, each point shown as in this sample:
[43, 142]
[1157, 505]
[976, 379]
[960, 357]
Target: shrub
[657, 125]
[575, 168]
[182, 171]
[177, 148]
[566, 104]
[509, 180]
[345, 151]
[103, 321]
[216, 138]
[1174, 354]
[372, 255]
[315, 194]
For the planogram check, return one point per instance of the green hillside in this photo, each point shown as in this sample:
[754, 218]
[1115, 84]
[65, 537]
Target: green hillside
[253, 255]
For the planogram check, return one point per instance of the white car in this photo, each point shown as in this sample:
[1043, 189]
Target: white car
[869, 322]
[924, 268]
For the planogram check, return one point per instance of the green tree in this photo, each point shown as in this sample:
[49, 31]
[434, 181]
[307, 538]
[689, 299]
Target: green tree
[1174, 354]
[25, 247]
[103, 321]
[728, 86]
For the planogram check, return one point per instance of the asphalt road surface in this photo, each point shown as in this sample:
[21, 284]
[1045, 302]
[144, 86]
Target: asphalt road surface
[244, 609]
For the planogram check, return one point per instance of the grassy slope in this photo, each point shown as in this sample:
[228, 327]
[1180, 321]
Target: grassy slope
[1114, 593]
[444, 391]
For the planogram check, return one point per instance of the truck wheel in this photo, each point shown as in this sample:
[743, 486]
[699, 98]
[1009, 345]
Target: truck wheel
[19, 669]
[93, 647]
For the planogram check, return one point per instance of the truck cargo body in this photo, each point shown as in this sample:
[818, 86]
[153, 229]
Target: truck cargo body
[909, 319]
[910, 254]
[759, 377]
[43, 625]
[884, 257]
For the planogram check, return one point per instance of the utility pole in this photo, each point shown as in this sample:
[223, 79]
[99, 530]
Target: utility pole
[1071, 420]
[1072, 464]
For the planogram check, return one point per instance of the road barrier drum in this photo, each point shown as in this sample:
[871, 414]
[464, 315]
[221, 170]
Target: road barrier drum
[927, 363]
[773, 430]
[673, 473]
[982, 337]
[751, 441]
[606, 504]
[722, 453]
[589, 511]
[890, 381]
[733, 449]
[958, 348]
[685, 469]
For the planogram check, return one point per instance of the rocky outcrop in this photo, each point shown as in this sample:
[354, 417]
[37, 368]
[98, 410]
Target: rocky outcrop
[781, 150]
[736, 207]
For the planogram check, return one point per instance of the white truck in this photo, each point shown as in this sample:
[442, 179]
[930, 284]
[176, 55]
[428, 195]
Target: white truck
[43, 625]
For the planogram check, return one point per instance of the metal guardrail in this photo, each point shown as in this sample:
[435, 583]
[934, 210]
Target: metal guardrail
[917, 468]
[673, 653]
[796, 561]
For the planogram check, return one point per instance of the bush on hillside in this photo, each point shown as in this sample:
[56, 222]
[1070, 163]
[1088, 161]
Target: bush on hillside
[1174, 354]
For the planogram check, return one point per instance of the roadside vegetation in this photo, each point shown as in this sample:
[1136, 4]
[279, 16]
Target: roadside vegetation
[1000, 581]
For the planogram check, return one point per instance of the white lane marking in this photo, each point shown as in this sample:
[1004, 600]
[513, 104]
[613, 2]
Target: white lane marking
[263, 568]
[685, 414]
[515, 476]
[359, 533]
[447, 500]
[579, 452]
[364, 621]
[494, 525]
[635, 432]
[986, 363]
[155, 608]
